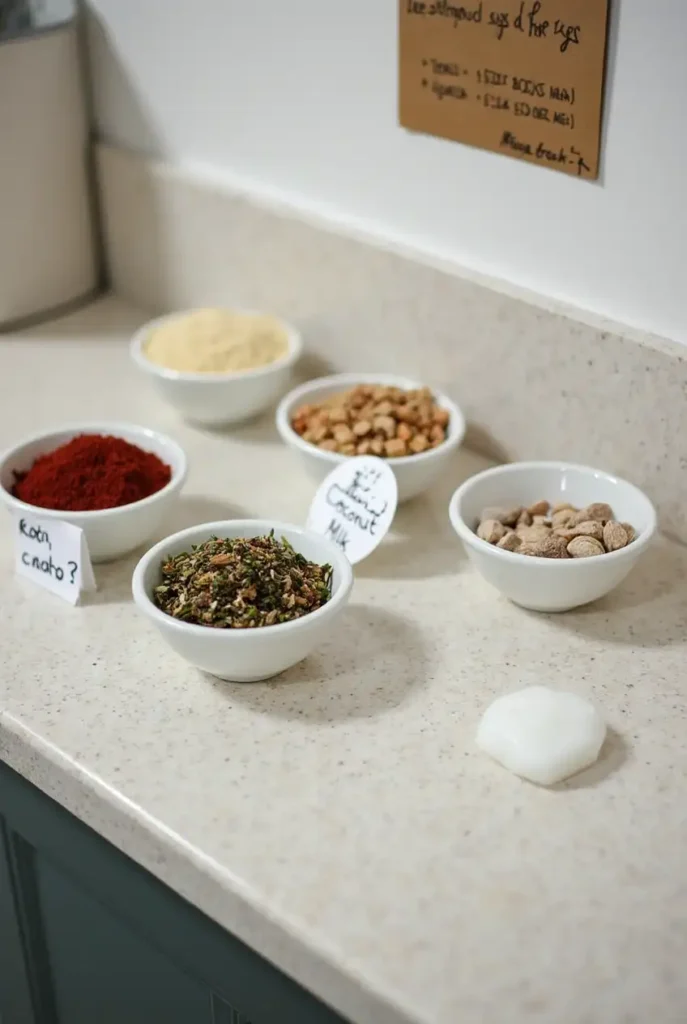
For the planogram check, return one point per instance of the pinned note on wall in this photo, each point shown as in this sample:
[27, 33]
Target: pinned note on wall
[520, 77]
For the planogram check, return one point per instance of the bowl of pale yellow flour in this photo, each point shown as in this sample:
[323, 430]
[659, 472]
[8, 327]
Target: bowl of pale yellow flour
[217, 366]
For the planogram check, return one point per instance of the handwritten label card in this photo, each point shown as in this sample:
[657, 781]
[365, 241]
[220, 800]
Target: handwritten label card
[355, 505]
[54, 555]
[520, 77]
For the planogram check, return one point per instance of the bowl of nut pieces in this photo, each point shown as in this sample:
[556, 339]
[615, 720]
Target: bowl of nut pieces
[334, 418]
[551, 535]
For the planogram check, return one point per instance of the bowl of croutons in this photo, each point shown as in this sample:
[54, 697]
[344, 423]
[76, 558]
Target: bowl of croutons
[339, 417]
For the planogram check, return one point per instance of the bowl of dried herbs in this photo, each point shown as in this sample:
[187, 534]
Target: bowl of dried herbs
[244, 599]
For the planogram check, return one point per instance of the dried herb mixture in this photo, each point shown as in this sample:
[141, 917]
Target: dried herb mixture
[242, 583]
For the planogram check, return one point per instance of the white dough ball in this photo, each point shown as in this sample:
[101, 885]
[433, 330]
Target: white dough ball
[542, 735]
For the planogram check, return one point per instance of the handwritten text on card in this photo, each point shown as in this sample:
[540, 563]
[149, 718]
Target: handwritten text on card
[54, 555]
[521, 77]
[355, 505]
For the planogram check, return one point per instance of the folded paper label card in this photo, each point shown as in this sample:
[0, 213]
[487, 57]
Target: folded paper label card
[355, 505]
[520, 77]
[54, 555]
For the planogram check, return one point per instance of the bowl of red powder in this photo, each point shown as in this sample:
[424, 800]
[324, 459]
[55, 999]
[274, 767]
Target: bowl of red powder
[115, 481]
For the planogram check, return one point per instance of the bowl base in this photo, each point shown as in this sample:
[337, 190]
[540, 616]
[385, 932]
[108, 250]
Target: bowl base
[247, 679]
[551, 611]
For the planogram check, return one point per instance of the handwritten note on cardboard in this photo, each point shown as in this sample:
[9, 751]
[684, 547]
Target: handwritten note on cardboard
[520, 77]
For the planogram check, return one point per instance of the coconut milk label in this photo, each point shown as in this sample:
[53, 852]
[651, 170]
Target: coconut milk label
[355, 505]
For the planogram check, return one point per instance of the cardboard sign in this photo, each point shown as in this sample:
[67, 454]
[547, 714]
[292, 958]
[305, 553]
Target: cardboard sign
[54, 555]
[520, 77]
[355, 505]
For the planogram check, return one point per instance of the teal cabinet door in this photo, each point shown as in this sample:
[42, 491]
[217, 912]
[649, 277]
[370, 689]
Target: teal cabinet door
[16, 1002]
[88, 937]
[103, 971]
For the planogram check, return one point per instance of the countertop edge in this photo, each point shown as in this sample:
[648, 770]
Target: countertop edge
[207, 887]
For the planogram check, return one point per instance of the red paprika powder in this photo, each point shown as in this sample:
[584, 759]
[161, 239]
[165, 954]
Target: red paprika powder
[92, 471]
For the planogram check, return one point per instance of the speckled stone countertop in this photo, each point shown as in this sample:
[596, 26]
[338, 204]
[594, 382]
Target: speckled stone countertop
[339, 820]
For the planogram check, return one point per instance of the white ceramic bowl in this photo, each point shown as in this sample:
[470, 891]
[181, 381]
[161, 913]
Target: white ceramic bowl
[217, 399]
[245, 655]
[414, 473]
[550, 584]
[111, 532]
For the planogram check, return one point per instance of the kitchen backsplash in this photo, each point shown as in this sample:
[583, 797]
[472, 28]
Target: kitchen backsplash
[534, 383]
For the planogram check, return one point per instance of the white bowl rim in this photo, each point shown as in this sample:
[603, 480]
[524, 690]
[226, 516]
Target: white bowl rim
[262, 526]
[105, 427]
[295, 342]
[289, 435]
[467, 533]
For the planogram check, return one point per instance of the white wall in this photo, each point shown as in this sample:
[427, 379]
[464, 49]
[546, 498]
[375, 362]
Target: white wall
[298, 98]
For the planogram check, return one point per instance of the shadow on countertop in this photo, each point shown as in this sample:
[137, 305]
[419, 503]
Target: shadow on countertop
[422, 544]
[649, 609]
[614, 753]
[374, 662]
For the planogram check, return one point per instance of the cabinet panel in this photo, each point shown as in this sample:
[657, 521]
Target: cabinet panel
[103, 942]
[222, 1013]
[103, 971]
[15, 993]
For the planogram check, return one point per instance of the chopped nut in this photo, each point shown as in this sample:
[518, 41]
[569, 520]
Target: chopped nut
[385, 425]
[511, 515]
[338, 415]
[585, 547]
[491, 530]
[364, 448]
[509, 542]
[419, 444]
[591, 528]
[532, 534]
[348, 449]
[343, 435]
[395, 448]
[548, 547]
[630, 531]
[568, 532]
[319, 433]
[328, 445]
[562, 518]
[378, 414]
[598, 510]
[406, 414]
[384, 408]
[614, 536]
[540, 508]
